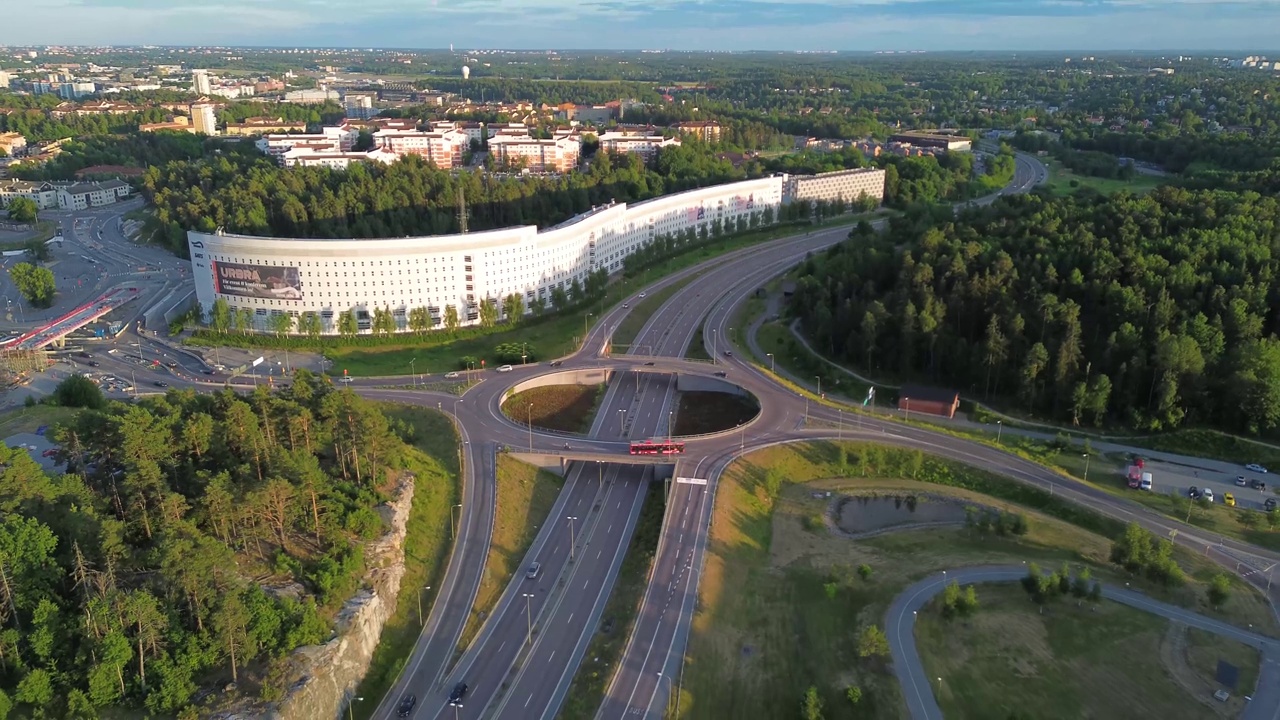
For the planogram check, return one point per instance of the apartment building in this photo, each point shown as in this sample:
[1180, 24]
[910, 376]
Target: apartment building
[12, 143]
[953, 143]
[557, 155]
[442, 148]
[306, 157]
[180, 123]
[844, 185]
[705, 130]
[203, 119]
[637, 143]
[336, 139]
[62, 195]
[265, 126]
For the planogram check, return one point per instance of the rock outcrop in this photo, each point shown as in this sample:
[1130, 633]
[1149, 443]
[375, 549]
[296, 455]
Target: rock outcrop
[322, 678]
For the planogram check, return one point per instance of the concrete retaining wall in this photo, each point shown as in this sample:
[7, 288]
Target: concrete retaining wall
[697, 383]
[585, 376]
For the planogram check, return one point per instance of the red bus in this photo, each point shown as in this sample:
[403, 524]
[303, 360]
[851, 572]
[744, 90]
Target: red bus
[657, 447]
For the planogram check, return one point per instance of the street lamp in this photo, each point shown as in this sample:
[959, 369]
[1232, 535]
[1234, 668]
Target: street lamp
[1086, 467]
[622, 422]
[456, 708]
[413, 372]
[528, 613]
[453, 532]
[584, 327]
[530, 423]
[713, 344]
[671, 426]
[770, 356]
[999, 430]
[819, 379]
[351, 713]
[428, 587]
[571, 518]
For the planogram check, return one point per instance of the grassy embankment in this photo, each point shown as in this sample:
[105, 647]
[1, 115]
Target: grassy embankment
[605, 649]
[434, 462]
[1068, 662]
[566, 408]
[525, 495]
[1061, 179]
[767, 629]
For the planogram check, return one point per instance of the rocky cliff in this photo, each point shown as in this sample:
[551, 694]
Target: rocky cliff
[322, 678]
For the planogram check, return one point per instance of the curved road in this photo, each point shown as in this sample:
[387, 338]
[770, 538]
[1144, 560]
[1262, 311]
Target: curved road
[916, 689]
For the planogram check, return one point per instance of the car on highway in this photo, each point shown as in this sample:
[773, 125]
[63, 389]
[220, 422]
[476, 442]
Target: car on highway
[207, 372]
[532, 573]
[162, 384]
[459, 691]
[86, 355]
[94, 363]
[721, 373]
[451, 376]
[345, 379]
[728, 353]
[1229, 500]
[625, 306]
[557, 363]
[650, 364]
[406, 705]
[1255, 467]
[1241, 481]
[1207, 494]
[505, 368]
[641, 295]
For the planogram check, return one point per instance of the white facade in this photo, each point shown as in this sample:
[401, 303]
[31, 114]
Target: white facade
[64, 196]
[846, 185]
[558, 155]
[329, 277]
[646, 146]
[203, 119]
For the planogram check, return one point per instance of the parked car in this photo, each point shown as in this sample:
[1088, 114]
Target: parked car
[1255, 467]
[49, 452]
[1193, 492]
[1269, 504]
[532, 573]
[1207, 494]
[451, 376]
[86, 355]
[1229, 500]
[505, 368]
[1258, 485]
[406, 705]
[459, 691]
[1241, 481]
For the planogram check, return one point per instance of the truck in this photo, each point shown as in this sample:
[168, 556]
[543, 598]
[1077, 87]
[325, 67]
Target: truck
[1134, 475]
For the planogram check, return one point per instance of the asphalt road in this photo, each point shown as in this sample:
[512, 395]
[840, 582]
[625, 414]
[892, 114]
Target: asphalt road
[918, 692]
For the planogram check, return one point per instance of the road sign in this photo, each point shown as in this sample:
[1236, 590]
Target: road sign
[257, 362]
[691, 481]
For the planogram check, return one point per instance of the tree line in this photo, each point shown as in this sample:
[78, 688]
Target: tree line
[195, 540]
[1151, 312]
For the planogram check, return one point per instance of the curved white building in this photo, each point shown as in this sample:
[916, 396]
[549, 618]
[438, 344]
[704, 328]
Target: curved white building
[274, 276]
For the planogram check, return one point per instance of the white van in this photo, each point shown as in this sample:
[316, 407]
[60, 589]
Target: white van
[1145, 483]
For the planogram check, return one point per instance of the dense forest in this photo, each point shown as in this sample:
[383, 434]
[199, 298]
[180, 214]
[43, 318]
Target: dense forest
[1152, 312]
[195, 540]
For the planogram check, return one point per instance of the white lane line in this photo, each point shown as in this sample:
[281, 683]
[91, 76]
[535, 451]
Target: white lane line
[599, 554]
[570, 619]
[610, 530]
[526, 702]
[504, 644]
[553, 654]
[585, 584]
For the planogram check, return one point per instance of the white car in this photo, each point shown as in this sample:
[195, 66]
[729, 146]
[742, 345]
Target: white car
[505, 368]
[1207, 494]
[345, 379]
[1255, 467]
[451, 376]
[641, 295]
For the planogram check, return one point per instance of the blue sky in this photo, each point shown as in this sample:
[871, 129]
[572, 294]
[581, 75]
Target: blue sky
[1243, 25]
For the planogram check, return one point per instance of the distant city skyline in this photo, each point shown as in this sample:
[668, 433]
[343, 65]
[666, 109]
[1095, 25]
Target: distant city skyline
[814, 25]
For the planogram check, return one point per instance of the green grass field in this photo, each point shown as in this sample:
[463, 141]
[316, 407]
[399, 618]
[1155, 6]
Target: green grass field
[1061, 179]
[697, 346]
[766, 629]
[567, 408]
[1069, 662]
[29, 419]
[434, 460]
[605, 649]
[524, 497]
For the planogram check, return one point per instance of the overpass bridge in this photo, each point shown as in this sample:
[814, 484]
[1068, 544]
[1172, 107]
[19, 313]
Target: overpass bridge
[57, 331]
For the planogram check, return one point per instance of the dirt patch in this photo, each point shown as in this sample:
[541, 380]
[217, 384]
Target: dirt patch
[564, 408]
[700, 412]
[1173, 655]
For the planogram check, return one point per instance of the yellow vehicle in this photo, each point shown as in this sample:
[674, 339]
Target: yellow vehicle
[1229, 500]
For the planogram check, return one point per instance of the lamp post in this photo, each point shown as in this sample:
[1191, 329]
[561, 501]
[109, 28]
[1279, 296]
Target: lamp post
[622, 422]
[453, 532]
[584, 327]
[770, 356]
[713, 344]
[571, 518]
[413, 372]
[819, 379]
[528, 613]
[999, 430]
[351, 713]
[524, 353]
[1086, 467]
[530, 424]
[839, 424]
[671, 426]
[428, 587]
[456, 708]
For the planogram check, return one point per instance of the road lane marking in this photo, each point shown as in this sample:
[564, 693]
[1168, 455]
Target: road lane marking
[585, 584]
[570, 618]
[526, 702]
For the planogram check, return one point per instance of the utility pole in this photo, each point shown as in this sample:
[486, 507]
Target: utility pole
[462, 211]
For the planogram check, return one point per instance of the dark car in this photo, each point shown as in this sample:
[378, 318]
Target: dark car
[207, 372]
[172, 364]
[649, 364]
[86, 355]
[161, 383]
[728, 353]
[406, 706]
[1269, 504]
[1258, 485]
[1193, 492]
[459, 692]
[557, 363]
[721, 373]
[94, 363]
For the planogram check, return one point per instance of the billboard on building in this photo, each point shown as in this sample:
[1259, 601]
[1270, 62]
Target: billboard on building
[259, 281]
